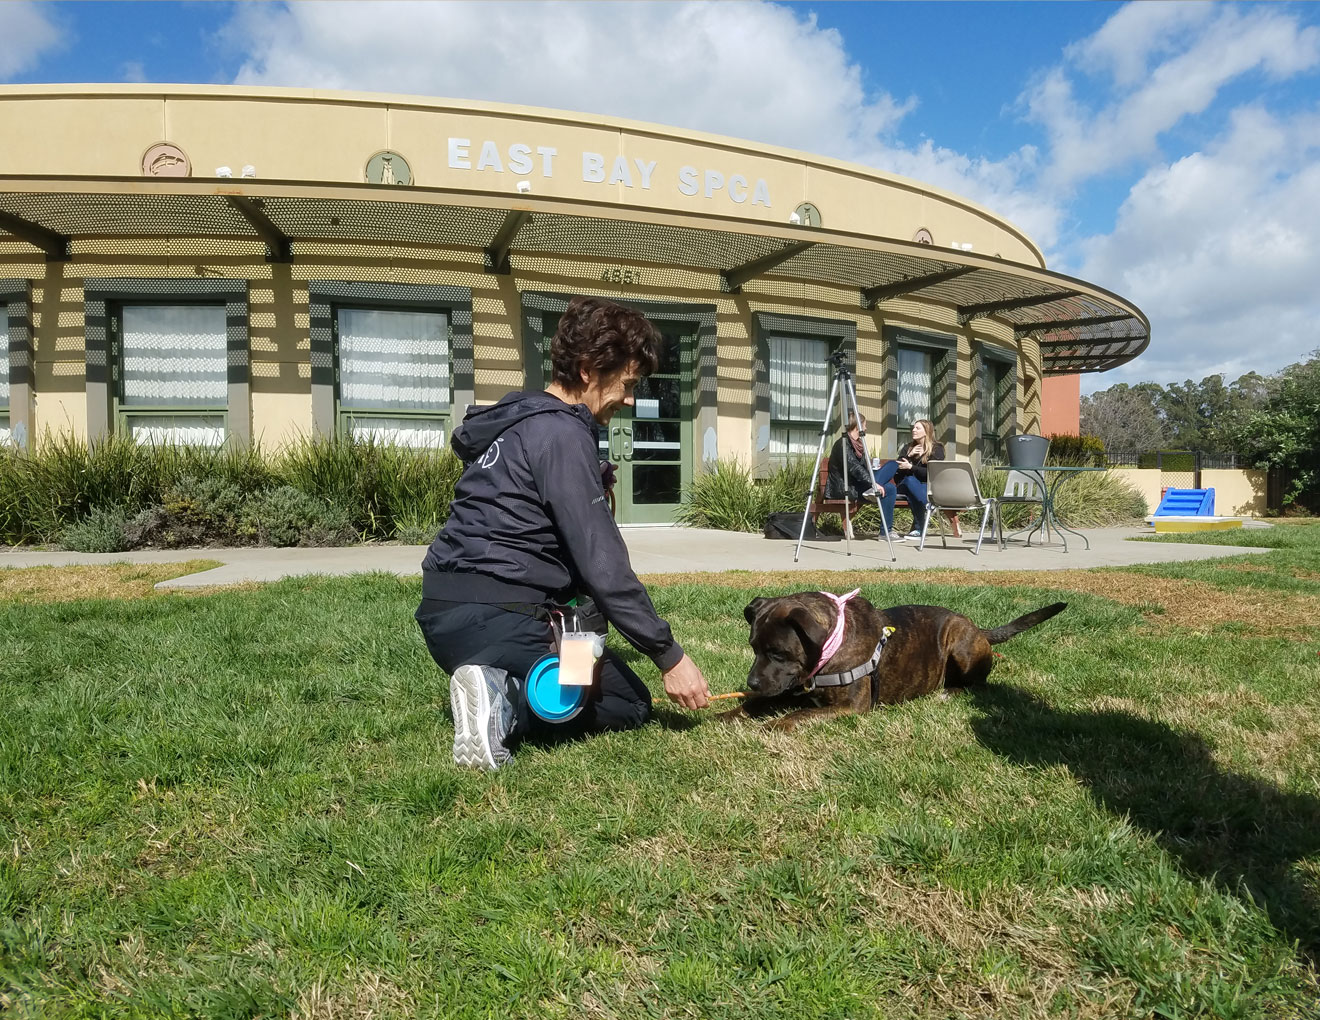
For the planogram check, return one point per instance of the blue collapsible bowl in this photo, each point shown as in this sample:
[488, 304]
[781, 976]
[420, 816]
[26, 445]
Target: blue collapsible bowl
[549, 699]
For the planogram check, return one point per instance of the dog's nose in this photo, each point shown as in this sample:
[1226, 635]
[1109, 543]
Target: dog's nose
[753, 684]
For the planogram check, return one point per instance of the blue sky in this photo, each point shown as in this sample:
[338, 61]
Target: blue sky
[1169, 151]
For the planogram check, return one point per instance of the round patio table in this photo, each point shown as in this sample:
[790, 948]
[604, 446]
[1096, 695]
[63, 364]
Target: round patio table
[1051, 477]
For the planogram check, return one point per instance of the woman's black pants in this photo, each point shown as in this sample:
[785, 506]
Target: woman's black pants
[469, 633]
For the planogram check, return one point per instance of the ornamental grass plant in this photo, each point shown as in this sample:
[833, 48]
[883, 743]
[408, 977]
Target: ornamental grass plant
[116, 494]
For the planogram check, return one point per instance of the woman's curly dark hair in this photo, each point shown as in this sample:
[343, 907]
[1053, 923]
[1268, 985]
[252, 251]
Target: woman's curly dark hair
[601, 337]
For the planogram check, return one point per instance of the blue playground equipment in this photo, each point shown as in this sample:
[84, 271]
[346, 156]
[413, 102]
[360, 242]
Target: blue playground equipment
[1186, 503]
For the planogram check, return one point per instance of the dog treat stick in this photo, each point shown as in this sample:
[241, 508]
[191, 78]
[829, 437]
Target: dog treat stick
[732, 694]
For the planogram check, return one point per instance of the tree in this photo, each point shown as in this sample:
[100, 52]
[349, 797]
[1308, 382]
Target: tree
[1284, 431]
[1124, 417]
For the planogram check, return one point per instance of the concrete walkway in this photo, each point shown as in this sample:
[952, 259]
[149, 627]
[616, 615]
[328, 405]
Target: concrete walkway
[663, 550]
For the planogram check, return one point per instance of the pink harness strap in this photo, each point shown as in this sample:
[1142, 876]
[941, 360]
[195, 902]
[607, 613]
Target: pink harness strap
[835, 639]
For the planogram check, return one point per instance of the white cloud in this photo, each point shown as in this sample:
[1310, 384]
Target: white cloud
[1168, 62]
[749, 70]
[27, 33]
[1221, 248]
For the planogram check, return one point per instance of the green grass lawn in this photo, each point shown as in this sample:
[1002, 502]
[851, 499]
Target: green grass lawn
[242, 804]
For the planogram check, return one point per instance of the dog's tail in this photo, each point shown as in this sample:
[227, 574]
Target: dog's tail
[1001, 634]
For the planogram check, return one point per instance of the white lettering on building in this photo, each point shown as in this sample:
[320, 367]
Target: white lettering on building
[593, 167]
[519, 159]
[490, 158]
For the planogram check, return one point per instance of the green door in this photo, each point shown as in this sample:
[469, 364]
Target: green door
[650, 444]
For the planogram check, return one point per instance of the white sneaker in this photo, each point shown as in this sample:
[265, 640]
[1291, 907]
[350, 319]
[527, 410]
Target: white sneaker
[483, 716]
[914, 533]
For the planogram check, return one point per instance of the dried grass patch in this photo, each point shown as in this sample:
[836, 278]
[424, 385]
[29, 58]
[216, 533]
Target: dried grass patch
[109, 581]
[973, 934]
[367, 995]
[1189, 605]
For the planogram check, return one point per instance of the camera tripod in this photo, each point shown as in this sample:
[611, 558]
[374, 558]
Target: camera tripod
[842, 387]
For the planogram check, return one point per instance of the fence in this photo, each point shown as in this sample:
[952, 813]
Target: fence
[1172, 460]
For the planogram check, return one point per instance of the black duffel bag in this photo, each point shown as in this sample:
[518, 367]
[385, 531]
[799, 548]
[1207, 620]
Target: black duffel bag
[788, 526]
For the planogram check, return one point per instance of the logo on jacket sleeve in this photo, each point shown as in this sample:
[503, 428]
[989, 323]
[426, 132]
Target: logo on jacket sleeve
[492, 455]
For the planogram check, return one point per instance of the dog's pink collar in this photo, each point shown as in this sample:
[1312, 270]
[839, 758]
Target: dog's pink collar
[835, 639]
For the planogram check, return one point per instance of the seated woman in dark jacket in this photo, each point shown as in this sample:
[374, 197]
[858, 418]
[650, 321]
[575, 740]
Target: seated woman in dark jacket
[850, 470]
[908, 475]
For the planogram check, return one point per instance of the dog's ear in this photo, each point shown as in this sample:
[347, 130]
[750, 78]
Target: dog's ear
[809, 628]
[753, 608]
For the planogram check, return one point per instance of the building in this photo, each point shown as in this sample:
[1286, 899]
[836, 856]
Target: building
[216, 264]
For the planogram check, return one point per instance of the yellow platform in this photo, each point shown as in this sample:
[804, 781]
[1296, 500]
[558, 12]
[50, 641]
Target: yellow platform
[1168, 525]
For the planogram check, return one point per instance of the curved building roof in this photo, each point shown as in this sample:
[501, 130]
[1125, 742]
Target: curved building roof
[508, 183]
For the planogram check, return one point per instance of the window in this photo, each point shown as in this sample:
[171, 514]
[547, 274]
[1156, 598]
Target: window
[4, 375]
[924, 368]
[169, 370]
[167, 359]
[394, 373]
[915, 389]
[800, 378]
[998, 402]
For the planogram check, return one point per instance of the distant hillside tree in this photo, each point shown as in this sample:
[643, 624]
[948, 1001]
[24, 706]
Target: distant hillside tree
[1125, 417]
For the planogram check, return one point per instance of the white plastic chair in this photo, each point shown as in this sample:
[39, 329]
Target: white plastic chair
[951, 485]
[1019, 487]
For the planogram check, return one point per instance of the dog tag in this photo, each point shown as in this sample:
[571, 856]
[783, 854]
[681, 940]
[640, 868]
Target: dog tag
[577, 659]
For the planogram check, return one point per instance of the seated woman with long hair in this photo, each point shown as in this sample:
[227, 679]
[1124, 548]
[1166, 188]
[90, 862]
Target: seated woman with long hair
[908, 475]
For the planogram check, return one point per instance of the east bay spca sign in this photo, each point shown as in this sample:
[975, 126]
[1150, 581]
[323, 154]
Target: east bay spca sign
[543, 160]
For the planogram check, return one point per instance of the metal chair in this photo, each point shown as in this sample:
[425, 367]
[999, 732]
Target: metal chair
[952, 485]
[1019, 487]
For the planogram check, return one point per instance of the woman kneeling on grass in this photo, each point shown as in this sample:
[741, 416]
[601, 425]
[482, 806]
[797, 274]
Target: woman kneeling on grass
[530, 529]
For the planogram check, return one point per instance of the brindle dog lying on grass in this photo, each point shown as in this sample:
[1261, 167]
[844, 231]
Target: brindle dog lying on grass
[929, 647]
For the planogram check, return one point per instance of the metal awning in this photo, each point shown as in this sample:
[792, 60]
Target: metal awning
[1080, 327]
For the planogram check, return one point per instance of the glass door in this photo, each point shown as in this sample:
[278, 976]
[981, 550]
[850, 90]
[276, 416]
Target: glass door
[650, 443]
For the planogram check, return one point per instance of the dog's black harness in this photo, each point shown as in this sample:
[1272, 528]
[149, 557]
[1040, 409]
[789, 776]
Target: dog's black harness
[853, 675]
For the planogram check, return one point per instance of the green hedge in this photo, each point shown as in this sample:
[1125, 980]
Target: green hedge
[1077, 451]
[116, 494]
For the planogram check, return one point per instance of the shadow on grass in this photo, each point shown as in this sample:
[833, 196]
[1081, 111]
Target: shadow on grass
[1239, 832]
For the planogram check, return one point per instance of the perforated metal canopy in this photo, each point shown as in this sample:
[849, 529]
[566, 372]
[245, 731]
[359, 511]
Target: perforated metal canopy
[1080, 327]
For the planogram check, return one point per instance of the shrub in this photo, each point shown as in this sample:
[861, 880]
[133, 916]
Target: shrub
[724, 496]
[193, 512]
[1077, 451]
[1168, 460]
[285, 516]
[102, 530]
[415, 488]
